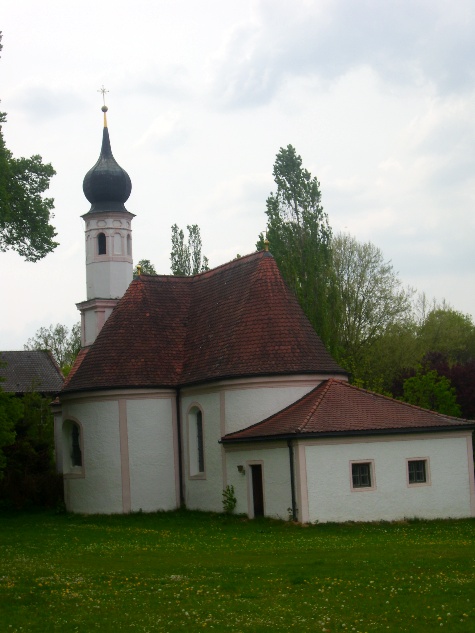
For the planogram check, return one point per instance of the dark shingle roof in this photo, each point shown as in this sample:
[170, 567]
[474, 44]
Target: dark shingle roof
[239, 319]
[336, 407]
[30, 371]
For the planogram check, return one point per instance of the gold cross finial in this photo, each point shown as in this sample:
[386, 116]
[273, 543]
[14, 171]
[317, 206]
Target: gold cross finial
[103, 91]
[104, 108]
[266, 242]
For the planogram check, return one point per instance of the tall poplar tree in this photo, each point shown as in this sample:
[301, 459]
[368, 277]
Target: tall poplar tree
[186, 256]
[300, 239]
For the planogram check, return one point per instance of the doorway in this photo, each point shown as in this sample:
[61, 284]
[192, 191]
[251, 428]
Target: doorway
[257, 490]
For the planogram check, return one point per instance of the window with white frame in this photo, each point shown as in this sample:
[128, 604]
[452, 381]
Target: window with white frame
[362, 475]
[196, 443]
[417, 471]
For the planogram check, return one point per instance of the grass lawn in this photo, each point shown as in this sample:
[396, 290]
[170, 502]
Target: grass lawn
[189, 571]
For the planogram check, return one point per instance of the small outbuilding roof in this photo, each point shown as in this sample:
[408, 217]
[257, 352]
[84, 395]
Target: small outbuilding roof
[237, 320]
[34, 370]
[335, 408]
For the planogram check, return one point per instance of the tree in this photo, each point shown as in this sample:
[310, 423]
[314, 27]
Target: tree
[370, 297]
[11, 410]
[60, 341]
[30, 476]
[300, 238]
[449, 332]
[186, 258]
[24, 213]
[429, 390]
[146, 268]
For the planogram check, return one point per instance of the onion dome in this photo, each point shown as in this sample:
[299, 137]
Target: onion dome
[106, 185]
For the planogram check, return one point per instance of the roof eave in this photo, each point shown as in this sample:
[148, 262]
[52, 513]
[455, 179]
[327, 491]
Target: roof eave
[360, 433]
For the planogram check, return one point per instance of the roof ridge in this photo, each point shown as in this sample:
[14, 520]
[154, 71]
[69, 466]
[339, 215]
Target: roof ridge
[209, 273]
[325, 386]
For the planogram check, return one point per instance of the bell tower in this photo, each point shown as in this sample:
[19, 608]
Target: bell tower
[108, 232]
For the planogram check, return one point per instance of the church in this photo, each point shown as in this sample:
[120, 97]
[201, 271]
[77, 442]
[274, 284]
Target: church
[186, 387]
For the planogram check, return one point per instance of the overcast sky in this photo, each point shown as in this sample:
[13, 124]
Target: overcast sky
[377, 96]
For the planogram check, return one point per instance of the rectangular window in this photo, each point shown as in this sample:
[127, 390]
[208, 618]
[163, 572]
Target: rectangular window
[417, 471]
[361, 473]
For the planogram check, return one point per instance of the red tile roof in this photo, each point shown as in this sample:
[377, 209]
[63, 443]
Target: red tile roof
[335, 407]
[237, 320]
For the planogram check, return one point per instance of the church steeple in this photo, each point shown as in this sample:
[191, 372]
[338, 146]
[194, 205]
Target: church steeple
[106, 185]
[109, 266]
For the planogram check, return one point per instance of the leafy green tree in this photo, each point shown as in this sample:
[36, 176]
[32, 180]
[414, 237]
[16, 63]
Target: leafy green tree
[300, 239]
[11, 411]
[24, 213]
[186, 257]
[429, 390]
[448, 332]
[370, 299]
[64, 344]
[30, 476]
[146, 268]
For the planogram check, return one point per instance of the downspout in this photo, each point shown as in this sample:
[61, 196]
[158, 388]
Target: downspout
[179, 440]
[292, 480]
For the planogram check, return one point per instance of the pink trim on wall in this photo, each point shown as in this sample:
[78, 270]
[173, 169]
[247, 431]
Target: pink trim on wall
[124, 456]
[176, 448]
[111, 394]
[471, 473]
[222, 427]
[428, 481]
[260, 383]
[302, 490]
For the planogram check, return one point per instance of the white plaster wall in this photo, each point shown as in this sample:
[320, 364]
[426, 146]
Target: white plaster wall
[276, 478]
[151, 454]
[90, 327]
[330, 497]
[226, 409]
[204, 492]
[100, 491]
[108, 279]
[245, 407]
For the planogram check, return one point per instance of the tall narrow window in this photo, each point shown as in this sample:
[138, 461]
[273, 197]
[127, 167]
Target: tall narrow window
[199, 442]
[101, 244]
[129, 245]
[76, 455]
[196, 452]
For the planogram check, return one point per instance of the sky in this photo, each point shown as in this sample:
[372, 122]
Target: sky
[377, 97]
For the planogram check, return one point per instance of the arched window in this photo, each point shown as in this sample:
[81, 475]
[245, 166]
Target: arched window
[73, 462]
[101, 244]
[196, 442]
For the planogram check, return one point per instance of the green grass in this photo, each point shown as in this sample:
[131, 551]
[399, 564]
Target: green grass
[189, 571]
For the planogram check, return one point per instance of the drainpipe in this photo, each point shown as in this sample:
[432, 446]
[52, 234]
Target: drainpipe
[292, 480]
[179, 440]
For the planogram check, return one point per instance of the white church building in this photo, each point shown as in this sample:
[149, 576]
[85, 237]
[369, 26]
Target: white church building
[187, 385]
